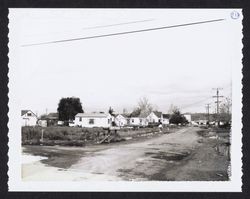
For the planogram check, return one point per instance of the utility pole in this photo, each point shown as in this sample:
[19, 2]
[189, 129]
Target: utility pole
[208, 107]
[217, 96]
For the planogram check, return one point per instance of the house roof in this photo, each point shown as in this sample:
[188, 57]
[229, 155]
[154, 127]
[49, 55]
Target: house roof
[51, 116]
[143, 115]
[166, 116]
[122, 114]
[157, 113]
[139, 115]
[23, 112]
[92, 115]
[134, 114]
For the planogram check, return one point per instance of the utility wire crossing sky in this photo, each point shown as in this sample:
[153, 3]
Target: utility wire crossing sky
[123, 33]
[137, 58]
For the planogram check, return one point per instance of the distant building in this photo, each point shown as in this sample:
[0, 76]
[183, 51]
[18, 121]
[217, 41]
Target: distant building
[165, 120]
[49, 120]
[93, 120]
[155, 117]
[188, 117]
[121, 120]
[28, 118]
[201, 122]
[138, 119]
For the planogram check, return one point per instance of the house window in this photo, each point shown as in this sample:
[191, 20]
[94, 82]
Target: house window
[80, 119]
[91, 121]
[140, 120]
[29, 114]
[108, 121]
[133, 120]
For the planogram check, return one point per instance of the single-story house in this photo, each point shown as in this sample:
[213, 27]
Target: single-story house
[28, 118]
[138, 119]
[93, 120]
[201, 122]
[155, 117]
[48, 120]
[121, 120]
[188, 117]
[165, 119]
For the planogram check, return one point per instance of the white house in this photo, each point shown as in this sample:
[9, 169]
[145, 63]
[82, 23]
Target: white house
[165, 119]
[28, 118]
[138, 120]
[188, 117]
[155, 117]
[50, 119]
[121, 120]
[93, 120]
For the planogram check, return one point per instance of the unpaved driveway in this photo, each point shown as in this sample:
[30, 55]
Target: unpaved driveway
[175, 156]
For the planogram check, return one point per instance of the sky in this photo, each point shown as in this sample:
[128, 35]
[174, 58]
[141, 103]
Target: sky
[178, 66]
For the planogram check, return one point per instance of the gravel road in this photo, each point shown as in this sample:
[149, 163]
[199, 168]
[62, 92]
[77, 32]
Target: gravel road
[180, 156]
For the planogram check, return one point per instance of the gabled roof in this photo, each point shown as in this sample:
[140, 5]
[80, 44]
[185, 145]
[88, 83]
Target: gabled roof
[102, 115]
[123, 115]
[134, 114]
[50, 116]
[157, 113]
[23, 112]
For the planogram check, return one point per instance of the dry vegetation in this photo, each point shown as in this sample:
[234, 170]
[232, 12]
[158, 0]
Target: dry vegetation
[77, 136]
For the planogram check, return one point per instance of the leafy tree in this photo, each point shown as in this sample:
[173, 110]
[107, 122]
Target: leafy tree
[177, 117]
[68, 108]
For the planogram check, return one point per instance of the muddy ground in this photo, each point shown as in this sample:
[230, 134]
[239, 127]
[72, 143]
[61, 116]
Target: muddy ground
[189, 154]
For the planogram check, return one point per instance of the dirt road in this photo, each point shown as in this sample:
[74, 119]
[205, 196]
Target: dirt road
[183, 155]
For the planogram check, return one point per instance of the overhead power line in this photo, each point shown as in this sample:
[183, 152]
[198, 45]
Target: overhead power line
[117, 24]
[123, 33]
[100, 26]
[195, 103]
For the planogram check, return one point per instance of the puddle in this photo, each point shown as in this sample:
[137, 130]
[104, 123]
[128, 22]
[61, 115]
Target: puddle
[165, 143]
[124, 170]
[168, 156]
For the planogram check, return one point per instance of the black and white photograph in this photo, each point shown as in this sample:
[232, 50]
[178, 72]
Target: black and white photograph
[125, 99]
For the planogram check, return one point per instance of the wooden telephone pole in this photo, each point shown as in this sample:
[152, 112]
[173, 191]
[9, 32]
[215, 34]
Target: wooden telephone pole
[217, 96]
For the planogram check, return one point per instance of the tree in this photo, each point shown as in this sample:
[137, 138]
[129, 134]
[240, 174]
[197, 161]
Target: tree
[144, 106]
[136, 112]
[124, 111]
[225, 110]
[172, 109]
[111, 111]
[176, 117]
[68, 108]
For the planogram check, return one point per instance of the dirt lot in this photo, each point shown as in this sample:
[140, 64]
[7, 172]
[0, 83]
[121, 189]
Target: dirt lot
[184, 155]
